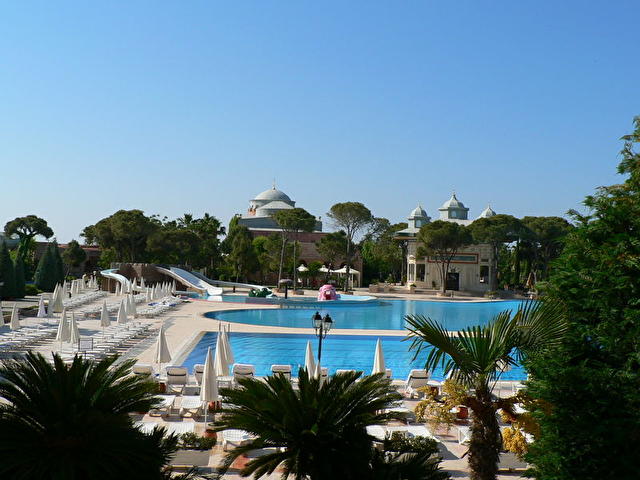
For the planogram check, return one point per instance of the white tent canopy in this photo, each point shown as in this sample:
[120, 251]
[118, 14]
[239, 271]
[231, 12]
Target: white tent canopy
[221, 363]
[162, 354]
[209, 386]
[309, 361]
[15, 318]
[378, 359]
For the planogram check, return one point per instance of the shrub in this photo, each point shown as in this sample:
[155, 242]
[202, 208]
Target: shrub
[398, 442]
[31, 289]
[196, 442]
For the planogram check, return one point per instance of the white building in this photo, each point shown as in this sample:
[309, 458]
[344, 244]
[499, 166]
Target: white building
[469, 269]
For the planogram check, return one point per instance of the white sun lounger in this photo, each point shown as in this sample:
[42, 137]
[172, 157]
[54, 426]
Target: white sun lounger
[234, 437]
[198, 371]
[338, 372]
[281, 369]
[191, 404]
[417, 378]
[165, 405]
[243, 370]
[142, 370]
[177, 378]
[177, 428]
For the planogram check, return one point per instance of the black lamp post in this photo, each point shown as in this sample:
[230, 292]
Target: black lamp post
[322, 327]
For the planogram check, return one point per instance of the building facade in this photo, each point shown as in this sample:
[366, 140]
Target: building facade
[469, 270]
[259, 220]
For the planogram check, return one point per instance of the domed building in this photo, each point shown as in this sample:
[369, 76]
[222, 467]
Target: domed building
[470, 267]
[259, 220]
[261, 209]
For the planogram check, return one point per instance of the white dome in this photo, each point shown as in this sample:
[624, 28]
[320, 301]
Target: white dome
[453, 202]
[418, 212]
[273, 194]
[487, 212]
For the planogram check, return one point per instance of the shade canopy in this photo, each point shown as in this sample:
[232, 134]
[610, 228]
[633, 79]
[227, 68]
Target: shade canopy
[226, 344]
[378, 359]
[162, 354]
[122, 313]
[42, 311]
[74, 332]
[15, 318]
[221, 363]
[105, 320]
[309, 361]
[209, 385]
[63, 332]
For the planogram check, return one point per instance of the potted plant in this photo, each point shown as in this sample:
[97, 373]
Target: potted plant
[412, 288]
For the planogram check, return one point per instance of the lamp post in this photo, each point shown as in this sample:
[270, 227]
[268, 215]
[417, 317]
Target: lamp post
[322, 327]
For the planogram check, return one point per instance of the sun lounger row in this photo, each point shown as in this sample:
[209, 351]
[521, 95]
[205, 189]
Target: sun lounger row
[115, 339]
[83, 298]
[25, 338]
[158, 307]
[95, 310]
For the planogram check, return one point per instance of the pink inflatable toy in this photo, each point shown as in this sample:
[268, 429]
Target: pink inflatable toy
[327, 292]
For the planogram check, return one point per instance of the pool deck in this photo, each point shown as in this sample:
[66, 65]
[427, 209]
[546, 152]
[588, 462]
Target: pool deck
[185, 324]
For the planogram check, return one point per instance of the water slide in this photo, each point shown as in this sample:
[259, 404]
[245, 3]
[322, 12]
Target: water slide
[195, 280]
[222, 283]
[113, 274]
[189, 279]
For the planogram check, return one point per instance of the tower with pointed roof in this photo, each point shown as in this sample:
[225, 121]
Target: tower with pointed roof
[453, 209]
[487, 212]
[470, 267]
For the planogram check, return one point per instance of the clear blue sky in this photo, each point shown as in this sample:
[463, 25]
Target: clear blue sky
[176, 107]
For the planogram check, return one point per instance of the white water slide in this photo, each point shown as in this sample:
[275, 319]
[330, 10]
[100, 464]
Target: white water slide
[113, 274]
[190, 280]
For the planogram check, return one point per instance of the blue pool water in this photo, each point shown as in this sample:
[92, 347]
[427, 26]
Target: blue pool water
[387, 315]
[338, 352]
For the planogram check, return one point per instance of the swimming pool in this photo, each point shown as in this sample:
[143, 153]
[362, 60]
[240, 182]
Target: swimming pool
[338, 352]
[387, 315]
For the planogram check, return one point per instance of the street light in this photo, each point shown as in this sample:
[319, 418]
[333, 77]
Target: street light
[322, 327]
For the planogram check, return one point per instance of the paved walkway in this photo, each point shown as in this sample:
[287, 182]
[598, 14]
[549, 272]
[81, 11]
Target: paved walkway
[186, 323]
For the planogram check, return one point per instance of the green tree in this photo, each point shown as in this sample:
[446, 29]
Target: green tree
[477, 356]
[242, 257]
[19, 277]
[74, 255]
[126, 232]
[547, 240]
[293, 221]
[58, 264]
[268, 250]
[588, 391]
[73, 421]
[27, 228]
[173, 245]
[45, 275]
[332, 248]
[7, 273]
[319, 428]
[441, 241]
[381, 252]
[353, 218]
[496, 231]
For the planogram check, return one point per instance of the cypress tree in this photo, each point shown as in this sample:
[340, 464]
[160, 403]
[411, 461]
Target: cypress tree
[57, 262]
[7, 274]
[19, 276]
[44, 277]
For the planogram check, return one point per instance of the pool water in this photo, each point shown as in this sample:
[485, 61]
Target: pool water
[387, 315]
[338, 352]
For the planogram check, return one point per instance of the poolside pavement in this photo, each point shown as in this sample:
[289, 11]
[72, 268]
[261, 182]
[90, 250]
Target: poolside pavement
[186, 323]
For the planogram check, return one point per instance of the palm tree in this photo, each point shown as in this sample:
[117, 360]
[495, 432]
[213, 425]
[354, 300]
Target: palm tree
[318, 431]
[477, 356]
[72, 421]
